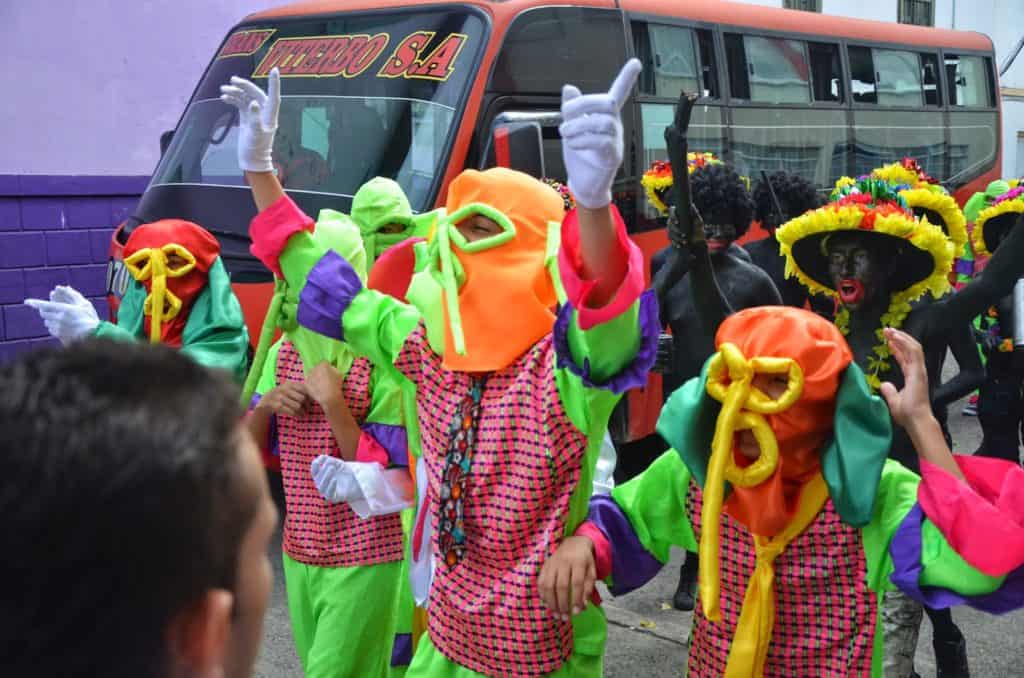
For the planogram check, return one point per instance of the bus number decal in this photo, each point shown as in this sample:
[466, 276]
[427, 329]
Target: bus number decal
[328, 56]
[245, 43]
[406, 62]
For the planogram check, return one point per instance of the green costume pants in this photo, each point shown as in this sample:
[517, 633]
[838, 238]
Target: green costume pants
[430, 663]
[343, 618]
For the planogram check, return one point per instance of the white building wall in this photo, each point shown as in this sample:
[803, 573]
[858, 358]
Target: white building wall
[999, 19]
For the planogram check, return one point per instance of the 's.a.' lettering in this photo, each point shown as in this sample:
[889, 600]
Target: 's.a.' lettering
[411, 60]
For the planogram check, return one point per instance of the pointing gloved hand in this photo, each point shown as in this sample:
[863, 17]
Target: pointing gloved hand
[592, 144]
[257, 120]
[67, 315]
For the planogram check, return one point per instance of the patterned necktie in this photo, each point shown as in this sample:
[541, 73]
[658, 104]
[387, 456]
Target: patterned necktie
[451, 536]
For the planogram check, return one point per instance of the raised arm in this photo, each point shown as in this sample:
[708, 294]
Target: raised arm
[972, 372]
[686, 228]
[606, 335]
[997, 280]
[327, 294]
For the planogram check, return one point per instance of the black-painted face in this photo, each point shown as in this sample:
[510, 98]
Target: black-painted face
[719, 236]
[857, 271]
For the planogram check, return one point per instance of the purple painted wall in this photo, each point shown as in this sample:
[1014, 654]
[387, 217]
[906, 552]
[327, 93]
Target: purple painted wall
[80, 133]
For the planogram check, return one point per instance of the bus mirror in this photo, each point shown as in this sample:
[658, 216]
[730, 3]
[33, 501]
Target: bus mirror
[165, 141]
[516, 145]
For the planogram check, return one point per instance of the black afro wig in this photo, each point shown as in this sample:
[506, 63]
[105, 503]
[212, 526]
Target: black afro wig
[721, 197]
[796, 195]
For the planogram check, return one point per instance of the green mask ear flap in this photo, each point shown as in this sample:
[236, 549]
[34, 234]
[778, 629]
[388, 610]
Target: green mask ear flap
[551, 260]
[687, 423]
[259, 358]
[852, 463]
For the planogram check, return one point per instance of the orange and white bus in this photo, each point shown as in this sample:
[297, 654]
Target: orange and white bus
[415, 90]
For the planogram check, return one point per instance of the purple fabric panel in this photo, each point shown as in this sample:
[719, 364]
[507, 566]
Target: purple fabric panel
[905, 550]
[964, 267]
[632, 565]
[328, 292]
[401, 651]
[272, 444]
[633, 375]
[393, 439]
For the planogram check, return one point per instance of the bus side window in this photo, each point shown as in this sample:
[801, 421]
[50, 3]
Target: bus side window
[826, 73]
[969, 80]
[768, 70]
[669, 58]
[736, 61]
[709, 71]
[862, 75]
[930, 78]
[898, 78]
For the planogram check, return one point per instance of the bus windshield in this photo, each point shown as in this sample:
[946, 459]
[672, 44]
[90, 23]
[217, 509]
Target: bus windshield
[363, 95]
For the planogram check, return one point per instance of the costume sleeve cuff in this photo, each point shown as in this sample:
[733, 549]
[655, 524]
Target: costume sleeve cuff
[906, 549]
[578, 289]
[271, 229]
[329, 290]
[602, 549]
[632, 565]
[369, 489]
[633, 375]
[385, 444]
[982, 518]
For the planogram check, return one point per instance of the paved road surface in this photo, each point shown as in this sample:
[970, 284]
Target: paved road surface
[647, 641]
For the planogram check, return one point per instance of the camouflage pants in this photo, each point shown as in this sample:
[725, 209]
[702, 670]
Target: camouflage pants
[901, 622]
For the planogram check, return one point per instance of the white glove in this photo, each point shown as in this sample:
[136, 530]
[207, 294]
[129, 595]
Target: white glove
[67, 315]
[332, 481]
[257, 120]
[591, 132]
[367, 487]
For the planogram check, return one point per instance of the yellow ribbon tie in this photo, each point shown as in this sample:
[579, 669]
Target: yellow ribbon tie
[749, 648]
[730, 377]
[150, 263]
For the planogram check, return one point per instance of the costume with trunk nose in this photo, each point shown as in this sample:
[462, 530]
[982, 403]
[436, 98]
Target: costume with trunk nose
[798, 545]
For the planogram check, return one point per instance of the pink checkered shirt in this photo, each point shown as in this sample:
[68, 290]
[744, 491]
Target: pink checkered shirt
[316, 532]
[824, 612]
[485, 612]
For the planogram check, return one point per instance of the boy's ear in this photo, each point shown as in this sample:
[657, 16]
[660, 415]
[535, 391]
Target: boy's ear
[197, 636]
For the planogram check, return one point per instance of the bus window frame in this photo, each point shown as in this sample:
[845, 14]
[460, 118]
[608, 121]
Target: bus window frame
[993, 80]
[458, 121]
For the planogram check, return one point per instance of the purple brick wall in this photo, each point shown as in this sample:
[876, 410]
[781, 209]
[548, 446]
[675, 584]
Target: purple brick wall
[55, 231]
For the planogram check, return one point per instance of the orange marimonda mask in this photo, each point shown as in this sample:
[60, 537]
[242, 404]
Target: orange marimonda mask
[497, 294]
[812, 348]
[172, 259]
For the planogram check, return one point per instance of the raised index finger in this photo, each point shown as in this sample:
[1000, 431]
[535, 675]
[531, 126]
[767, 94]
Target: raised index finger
[624, 82]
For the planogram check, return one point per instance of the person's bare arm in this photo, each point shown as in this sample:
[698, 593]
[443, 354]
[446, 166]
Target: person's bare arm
[324, 384]
[266, 189]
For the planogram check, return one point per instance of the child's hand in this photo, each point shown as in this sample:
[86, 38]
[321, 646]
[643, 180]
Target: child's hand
[324, 385]
[288, 399]
[911, 404]
[568, 576]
